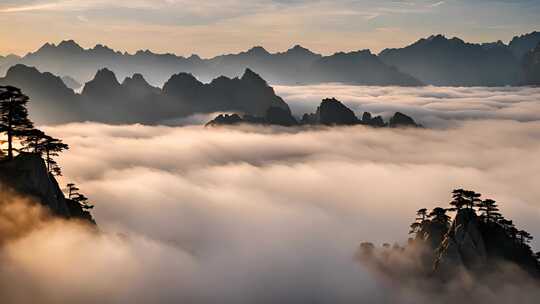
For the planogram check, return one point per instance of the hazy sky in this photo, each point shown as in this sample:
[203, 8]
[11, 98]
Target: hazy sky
[210, 27]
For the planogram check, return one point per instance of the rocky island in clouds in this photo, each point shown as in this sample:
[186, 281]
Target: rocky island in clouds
[307, 152]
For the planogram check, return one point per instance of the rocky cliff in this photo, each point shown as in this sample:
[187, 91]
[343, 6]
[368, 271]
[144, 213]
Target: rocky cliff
[481, 246]
[478, 243]
[331, 112]
[28, 175]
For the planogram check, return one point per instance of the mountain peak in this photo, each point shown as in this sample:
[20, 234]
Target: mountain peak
[298, 49]
[21, 70]
[100, 48]
[69, 45]
[438, 37]
[106, 76]
[249, 75]
[258, 51]
[105, 82]
[136, 80]
[194, 57]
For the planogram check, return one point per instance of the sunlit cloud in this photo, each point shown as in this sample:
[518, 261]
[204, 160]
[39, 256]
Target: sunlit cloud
[185, 210]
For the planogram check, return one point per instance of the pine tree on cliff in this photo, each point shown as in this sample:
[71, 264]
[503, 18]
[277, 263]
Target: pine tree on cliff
[75, 195]
[417, 226]
[458, 200]
[472, 198]
[13, 115]
[490, 210]
[72, 190]
[32, 141]
[83, 201]
[438, 215]
[49, 147]
[524, 237]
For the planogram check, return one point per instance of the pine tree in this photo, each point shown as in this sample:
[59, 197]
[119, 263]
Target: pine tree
[458, 200]
[439, 216]
[83, 201]
[72, 190]
[489, 209]
[13, 115]
[47, 146]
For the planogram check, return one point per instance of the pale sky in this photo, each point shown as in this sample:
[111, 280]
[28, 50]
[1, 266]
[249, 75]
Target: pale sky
[211, 27]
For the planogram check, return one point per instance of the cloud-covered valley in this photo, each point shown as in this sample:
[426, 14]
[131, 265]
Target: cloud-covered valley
[435, 107]
[253, 214]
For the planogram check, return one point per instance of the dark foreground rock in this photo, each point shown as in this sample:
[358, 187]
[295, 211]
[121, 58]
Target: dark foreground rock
[28, 175]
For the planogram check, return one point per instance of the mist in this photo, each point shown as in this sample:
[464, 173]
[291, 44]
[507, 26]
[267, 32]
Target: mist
[260, 214]
[435, 107]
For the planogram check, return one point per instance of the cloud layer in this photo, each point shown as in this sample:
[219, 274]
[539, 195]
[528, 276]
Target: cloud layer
[260, 215]
[434, 107]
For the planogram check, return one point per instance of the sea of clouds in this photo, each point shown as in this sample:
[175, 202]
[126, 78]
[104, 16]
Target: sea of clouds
[265, 214]
[435, 107]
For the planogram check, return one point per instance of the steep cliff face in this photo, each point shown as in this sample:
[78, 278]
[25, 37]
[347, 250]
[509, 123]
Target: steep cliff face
[480, 246]
[463, 246]
[28, 175]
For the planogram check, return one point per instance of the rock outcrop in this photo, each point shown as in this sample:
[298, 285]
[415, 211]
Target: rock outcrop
[478, 244]
[481, 246]
[28, 175]
[463, 246]
[331, 112]
[274, 116]
[400, 120]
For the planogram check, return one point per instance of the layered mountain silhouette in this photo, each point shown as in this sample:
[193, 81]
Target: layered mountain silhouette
[297, 65]
[71, 83]
[521, 45]
[134, 100]
[531, 67]
[438, 60]
[435, 60]
[52, 100]
[331, 112]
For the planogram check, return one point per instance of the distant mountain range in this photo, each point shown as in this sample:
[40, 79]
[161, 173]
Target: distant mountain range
[531, 65]
[134, 100]
[453, 62]
[435, 60]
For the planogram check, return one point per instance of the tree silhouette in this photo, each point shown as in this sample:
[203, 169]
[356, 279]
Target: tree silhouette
[472, 198]
[72, 190]
[490, 210]
[421, 215]
[75, 195]
[418, 226]
[48, 147]
[438, 215]
[13, 115]
[524, 237]
[83, 201]
[458, 200]
[32, 140]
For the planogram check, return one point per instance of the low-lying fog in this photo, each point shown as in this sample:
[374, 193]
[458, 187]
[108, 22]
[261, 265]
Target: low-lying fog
[433, 106]
[273, 215]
